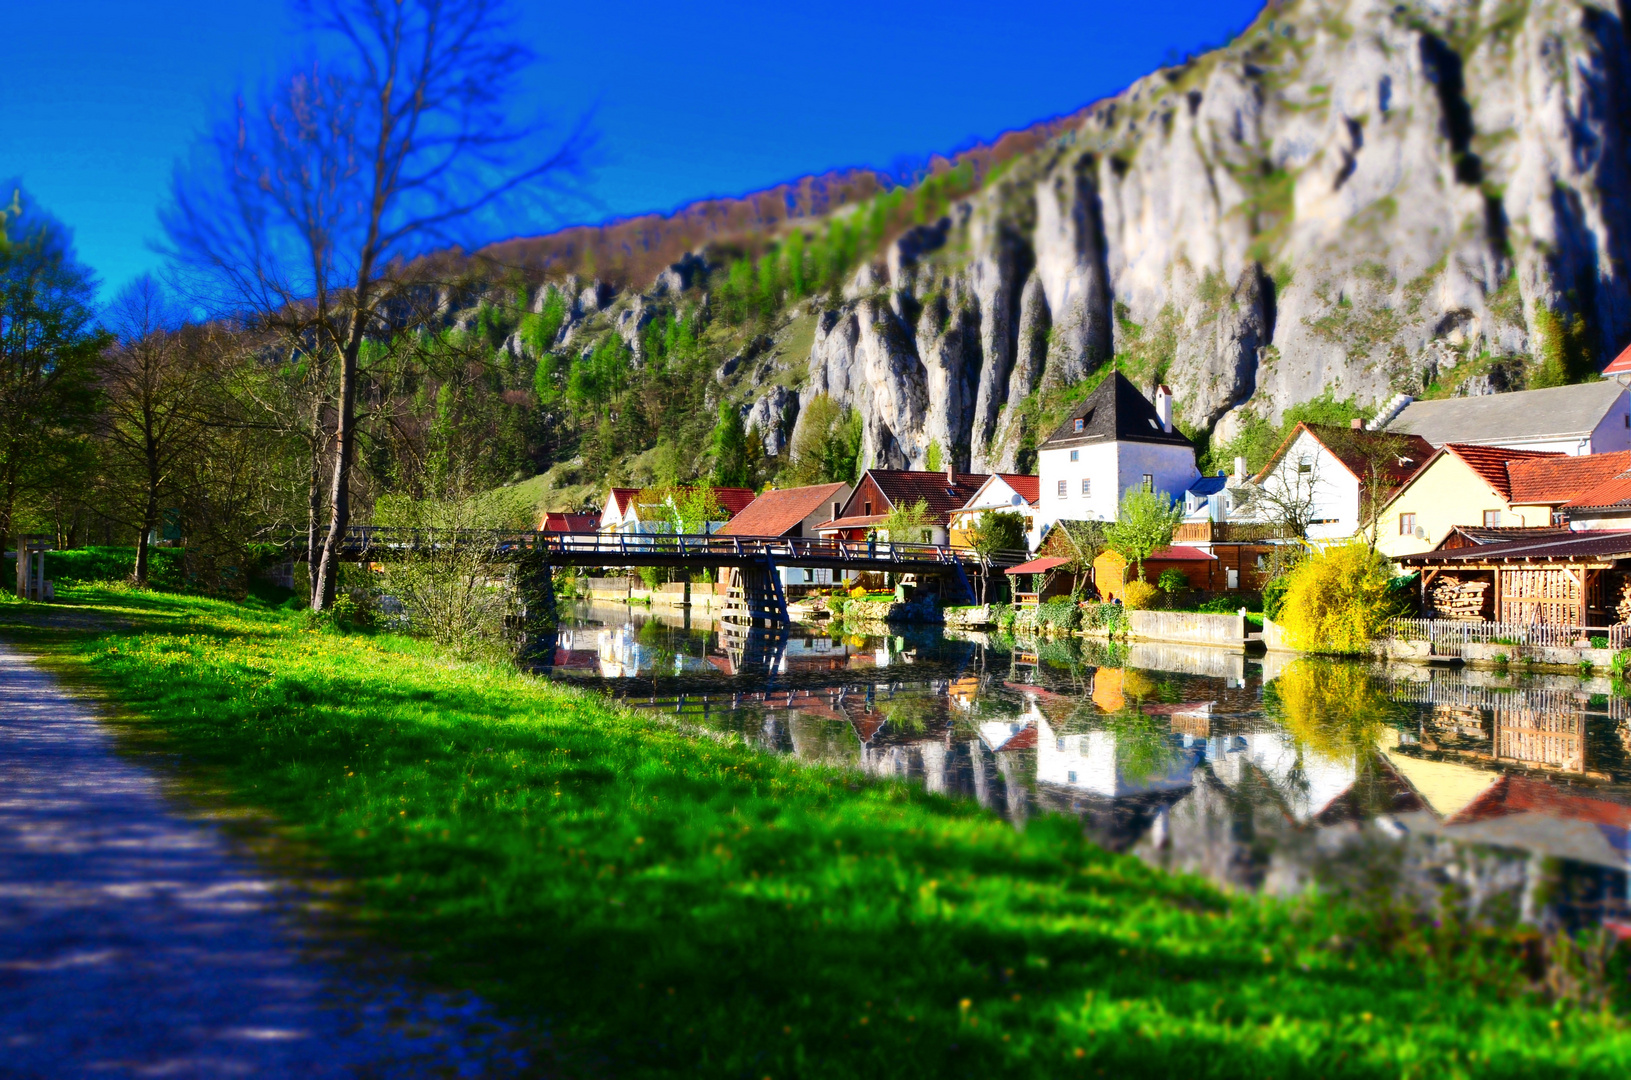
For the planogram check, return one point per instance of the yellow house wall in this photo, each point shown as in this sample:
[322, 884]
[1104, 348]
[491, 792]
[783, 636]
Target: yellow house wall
[1446, 495]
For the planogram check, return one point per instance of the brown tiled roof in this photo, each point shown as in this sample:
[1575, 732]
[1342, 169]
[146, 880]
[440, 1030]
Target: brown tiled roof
[620, 498]
[1345, 443]
[1615, 491]
[858, 522]
[1490, 463]
[1558, 480]
[776, 513]
[1588, 545]
[902, 488]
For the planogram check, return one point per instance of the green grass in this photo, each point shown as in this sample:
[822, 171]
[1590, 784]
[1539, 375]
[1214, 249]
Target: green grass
[664, 904]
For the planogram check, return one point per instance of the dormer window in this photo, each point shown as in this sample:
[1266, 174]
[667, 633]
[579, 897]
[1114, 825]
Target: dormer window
[1080, 423]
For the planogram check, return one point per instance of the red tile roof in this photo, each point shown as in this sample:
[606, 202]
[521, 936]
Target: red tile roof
[620, 498]
[1519, 794]
[1558, 480]
[1179, 553]
[902, 488]
[733, 500]
[570, 523]
[1025, 486]
[863, 521]
[777, 513]
[1037, 566]
[1489, 462]
[1612, 492]
[1621, 364]
[1345, 445]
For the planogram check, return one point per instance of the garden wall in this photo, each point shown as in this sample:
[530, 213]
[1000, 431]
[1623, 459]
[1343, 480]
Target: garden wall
[1190, 627]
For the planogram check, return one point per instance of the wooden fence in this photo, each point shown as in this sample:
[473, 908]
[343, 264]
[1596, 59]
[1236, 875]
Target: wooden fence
[1446, 634]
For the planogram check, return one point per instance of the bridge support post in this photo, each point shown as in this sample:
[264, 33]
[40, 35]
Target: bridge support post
[535, 592]
[754, 596]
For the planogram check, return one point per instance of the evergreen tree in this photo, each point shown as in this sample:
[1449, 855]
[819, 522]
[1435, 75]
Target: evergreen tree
[730, 448]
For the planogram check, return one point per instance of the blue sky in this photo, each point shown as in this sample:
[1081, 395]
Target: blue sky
[99, 98]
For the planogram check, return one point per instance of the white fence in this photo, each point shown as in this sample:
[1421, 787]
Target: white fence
[1446, 633]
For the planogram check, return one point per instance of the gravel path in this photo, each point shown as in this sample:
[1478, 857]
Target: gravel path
[136, 941]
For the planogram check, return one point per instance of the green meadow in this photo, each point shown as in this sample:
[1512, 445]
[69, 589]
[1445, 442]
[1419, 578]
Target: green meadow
[664, 904]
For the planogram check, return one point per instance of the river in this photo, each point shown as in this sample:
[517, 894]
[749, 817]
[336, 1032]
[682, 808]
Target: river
[1506, 795]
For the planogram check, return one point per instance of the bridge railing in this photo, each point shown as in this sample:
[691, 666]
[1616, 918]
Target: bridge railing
[365, 539]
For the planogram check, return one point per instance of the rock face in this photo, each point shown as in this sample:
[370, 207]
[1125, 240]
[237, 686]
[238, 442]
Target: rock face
[1351, 197]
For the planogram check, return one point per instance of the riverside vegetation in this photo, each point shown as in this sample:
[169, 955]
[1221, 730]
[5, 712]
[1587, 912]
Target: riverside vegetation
[665, 904]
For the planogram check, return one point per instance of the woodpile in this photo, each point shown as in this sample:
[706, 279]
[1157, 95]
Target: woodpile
[1460, 600]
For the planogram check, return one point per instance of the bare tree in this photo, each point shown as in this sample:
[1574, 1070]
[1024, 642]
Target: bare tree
[1382, 461]
[314, 204]
[158, 388]
[1286, 497]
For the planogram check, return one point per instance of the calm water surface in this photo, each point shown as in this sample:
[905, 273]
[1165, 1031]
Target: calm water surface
[1509, 796]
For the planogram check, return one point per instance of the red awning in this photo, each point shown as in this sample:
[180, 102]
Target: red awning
[1036, 566]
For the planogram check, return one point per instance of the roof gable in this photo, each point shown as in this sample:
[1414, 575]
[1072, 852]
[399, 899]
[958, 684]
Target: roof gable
[1347, 447]
[999, 490]
[1114, 412]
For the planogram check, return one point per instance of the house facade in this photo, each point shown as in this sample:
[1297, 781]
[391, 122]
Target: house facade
[1492, 487]
[1115, 440]
[1013, 493]
[883, 490]
[647, 510]
[1325, 476]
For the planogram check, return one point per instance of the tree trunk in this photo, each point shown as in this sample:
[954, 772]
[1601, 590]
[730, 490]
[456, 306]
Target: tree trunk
[314, 502]
[150, 520]
[345, 439]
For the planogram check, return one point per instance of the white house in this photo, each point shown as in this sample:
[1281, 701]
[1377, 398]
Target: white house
[1113, 441]
[1013, 493]
[648, 510]
[1588, 418]
[1326, 473]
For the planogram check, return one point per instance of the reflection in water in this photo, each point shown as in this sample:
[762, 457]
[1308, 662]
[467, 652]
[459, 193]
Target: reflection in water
[1508, 798]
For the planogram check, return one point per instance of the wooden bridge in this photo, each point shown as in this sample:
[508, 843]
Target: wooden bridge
[750, 564]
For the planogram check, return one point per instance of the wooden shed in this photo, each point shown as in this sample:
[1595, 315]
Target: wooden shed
[1575, 579]
[1111, 572]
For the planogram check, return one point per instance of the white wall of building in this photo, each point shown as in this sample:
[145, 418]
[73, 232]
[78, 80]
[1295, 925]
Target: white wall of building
[1335, 490]
[1111, 468]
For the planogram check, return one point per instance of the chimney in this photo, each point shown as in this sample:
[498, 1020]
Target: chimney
[1357, 424]
[951, 474]
[1240, 469]
[1163, 406]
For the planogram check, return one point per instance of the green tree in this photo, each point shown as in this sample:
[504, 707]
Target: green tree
[931, 457]
[826, 445]
[730, 448]
[993, 531]
[909, 523]
[1144, 522]
[49, 358]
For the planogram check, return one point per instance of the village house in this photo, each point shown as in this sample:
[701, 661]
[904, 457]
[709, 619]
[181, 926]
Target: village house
[558, 522]
[1115, 440]
[881, 491]
[1013, 493]
[1587, 418]
[791, 512]
[1489, 487]
[1325, 478]
[646, 510]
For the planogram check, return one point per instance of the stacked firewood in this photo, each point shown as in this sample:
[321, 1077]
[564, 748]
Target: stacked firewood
[1624, 609]
[1460, 600]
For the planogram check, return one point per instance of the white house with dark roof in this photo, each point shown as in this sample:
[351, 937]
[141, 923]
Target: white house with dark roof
[1587, 418]
[1115, 440]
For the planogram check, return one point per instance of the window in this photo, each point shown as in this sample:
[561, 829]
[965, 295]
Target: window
[1059, 744]
[867, 506]
[1080, 423]
[1407, 524]
[809, 575]
[1492, 519]
[1149, 482]
[1087, 487]
[836, 507]
[1075, 455]
[1305, 466]
[1061, 489]
[1070, 777]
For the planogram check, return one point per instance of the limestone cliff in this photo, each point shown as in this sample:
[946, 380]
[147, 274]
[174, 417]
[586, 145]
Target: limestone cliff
[1357, 196]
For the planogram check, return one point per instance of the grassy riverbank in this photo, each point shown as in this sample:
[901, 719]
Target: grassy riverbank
[666, 905]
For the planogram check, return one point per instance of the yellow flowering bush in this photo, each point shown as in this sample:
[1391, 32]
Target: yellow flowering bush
[1337, 599]
[1139, 595]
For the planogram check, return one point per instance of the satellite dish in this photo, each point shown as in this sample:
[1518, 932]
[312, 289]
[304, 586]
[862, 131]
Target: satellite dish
[1421, 533]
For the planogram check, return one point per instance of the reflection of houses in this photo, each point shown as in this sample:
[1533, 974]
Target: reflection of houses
[623, 655]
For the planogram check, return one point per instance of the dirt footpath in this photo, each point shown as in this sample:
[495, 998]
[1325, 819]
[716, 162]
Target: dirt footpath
[137, 941]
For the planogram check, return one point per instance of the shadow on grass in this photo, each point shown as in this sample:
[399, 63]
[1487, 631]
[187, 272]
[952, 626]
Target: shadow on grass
[680, 906]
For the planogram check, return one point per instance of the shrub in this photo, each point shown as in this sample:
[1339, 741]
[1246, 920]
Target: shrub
[1599, 642]
[1059, 615]
[1109, 617]
[1221, 605]
[1172, 582]
[1338, 599]
[1139, 595]
[1274, 595]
